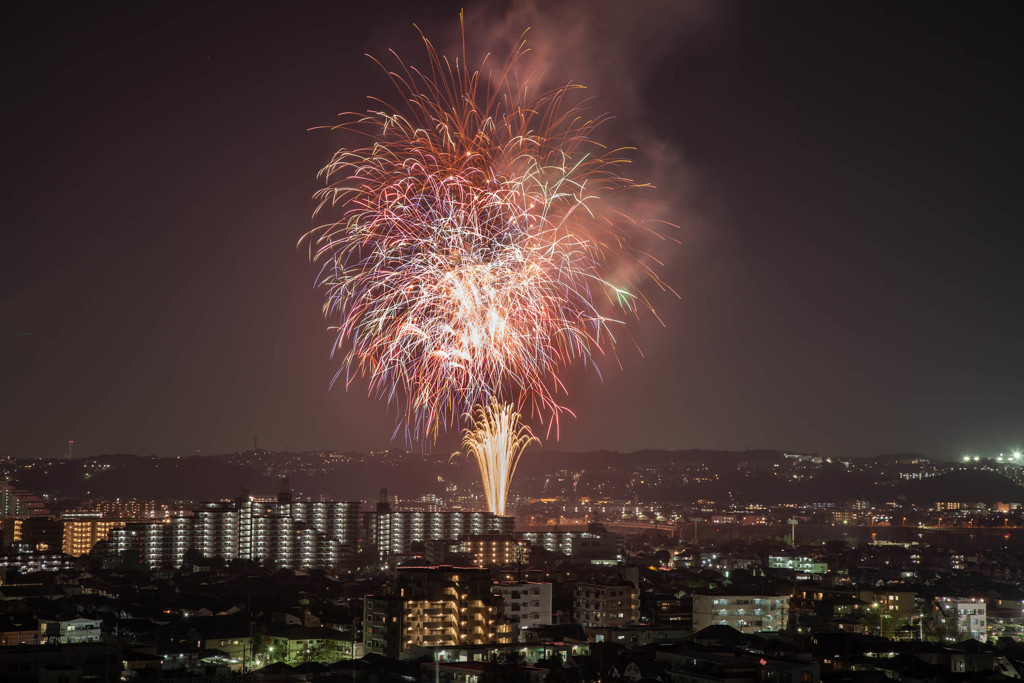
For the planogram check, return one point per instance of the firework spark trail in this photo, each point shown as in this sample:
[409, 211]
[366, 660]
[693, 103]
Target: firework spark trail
[473, 244]
[497, 440]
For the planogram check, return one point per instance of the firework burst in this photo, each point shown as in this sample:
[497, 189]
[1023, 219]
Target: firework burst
[496, 441]
[472, 248]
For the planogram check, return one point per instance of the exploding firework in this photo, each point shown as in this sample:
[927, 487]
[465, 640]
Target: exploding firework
[474, 253]
[497, 440]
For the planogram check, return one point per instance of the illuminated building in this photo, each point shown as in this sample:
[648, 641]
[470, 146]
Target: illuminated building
[897, 605]
[552, 541]
[215, 530]
[275, 532]
[603, 606]
[41, 534]
[296, 645]
[489, 550]
[412, 526]
[120, 509]
[434, 606]
[16, 502]
[80, 535]
[10, 531]
[970, 615]
[393, 532]
[596, 545]
[282, 533]
[33, 561]
[528, 653]
[745, 613]
[69, 631]
[800, 565]
[339, 521]
[525, 604]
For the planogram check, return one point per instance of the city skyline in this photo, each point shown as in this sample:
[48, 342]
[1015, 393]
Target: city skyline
[842, 178]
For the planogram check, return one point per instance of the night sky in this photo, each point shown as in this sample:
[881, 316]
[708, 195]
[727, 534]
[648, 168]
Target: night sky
[846, 177]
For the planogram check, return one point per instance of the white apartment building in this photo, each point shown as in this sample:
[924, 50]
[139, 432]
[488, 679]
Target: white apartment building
[526, 604]
[804, 565]
[67, 631]
[745, 613]
[970, 614]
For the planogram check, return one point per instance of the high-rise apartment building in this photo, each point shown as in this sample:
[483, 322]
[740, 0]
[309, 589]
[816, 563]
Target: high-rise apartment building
[601, 606]
[80, 535]
[395, 531]
[296, 534]
[596, 544]
[490, 550]
[15, 502]
[278, 533]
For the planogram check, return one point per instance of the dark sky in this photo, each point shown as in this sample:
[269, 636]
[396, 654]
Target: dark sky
[846, 177]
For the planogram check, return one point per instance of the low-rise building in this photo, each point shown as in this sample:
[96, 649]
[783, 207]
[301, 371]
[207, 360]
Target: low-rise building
[228, 634]
[747, 613]
[473, 672]
[970, 615]
[18, 632]
[74, 662]
[530, 653]
[799, 565]
[296, 645]
[637, 635]
[69, 631]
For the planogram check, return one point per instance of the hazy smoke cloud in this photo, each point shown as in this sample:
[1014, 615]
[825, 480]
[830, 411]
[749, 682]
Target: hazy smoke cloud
[612, 48]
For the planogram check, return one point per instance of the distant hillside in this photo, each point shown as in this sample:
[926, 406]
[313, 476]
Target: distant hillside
[554, 460]
[674, 478]
[972, 486]
[162, 479]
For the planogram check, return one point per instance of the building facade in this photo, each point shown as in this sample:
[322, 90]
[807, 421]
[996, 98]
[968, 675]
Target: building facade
[15, 502]
[745, 613]
[394, 532]
[81, 534]
[282, 533]
[490, 550]
[970, 614]
[525, 604]
[434, 606]
[604, 606]
[69, 631]
[277, 533]
[800, 565]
